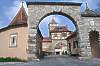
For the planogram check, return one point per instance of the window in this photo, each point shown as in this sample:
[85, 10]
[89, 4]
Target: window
[13, 40]
[54, 36]
[64, 34]
[69, 47]
[75, 44]
[58, 37]
[62, 37]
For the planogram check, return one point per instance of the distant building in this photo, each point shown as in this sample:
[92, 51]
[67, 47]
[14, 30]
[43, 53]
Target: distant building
[46, 42]
[56, 42]
[72, 44]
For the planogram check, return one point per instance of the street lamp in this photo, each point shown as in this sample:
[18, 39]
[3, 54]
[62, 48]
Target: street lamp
[92, 24]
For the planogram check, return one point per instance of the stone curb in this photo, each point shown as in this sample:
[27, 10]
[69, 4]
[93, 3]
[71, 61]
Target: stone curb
[5, 63]
[90, 60]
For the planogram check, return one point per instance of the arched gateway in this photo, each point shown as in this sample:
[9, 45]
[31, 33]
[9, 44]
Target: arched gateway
[38, 10]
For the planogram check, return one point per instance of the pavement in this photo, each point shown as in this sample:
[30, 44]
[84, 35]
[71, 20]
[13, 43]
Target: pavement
[56, 61]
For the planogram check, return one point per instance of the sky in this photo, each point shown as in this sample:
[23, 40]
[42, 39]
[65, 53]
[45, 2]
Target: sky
[9, 8]
[92, 4]
[60, 19]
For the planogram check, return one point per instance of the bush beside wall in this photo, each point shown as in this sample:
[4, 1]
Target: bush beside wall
[9, 59]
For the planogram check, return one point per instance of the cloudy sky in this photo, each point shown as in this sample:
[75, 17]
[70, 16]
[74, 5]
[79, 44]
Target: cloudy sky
[9, 8]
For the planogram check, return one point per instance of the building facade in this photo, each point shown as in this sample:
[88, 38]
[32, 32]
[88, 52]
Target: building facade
[56, 43]
[22, 33]
[83, 22]
[14, 38]
[73, 44]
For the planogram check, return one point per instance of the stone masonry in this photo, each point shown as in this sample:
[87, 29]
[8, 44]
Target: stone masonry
[38, 10]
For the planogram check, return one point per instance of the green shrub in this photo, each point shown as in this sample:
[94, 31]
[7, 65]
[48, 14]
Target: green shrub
[9, 59]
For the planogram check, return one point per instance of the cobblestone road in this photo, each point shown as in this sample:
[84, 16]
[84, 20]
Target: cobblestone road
[57, 61]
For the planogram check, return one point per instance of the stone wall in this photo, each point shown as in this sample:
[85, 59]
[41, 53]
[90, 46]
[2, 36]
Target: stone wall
[70, 41]
[84, 29]
[46, 45]
[37, 12]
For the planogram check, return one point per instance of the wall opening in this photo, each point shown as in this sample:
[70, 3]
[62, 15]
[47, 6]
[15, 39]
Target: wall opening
[94, 43]
[58, 28]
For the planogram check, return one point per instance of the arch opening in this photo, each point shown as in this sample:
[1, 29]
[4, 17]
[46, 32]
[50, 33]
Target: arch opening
[94, 43]
[57, 27]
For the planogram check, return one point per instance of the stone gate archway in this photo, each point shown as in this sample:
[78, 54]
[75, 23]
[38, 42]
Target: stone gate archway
[65, 16]
[36, 11]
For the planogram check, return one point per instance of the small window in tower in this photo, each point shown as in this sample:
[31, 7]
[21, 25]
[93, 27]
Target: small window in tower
[55, 35]
[64, 34]
[13, 40]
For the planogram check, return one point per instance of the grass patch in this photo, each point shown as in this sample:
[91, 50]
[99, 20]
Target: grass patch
[9, 59]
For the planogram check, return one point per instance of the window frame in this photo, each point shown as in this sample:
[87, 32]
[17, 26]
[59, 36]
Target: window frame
[63, 34]
[14, 45]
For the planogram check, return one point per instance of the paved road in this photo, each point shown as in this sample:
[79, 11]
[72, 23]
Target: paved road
[57, 61]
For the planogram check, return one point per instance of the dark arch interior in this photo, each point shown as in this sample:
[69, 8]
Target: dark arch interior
[94, 43]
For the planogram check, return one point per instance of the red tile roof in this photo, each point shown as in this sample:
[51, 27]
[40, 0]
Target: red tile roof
[20, 18]
[46, 39]
[53, 21]
[60, 29]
